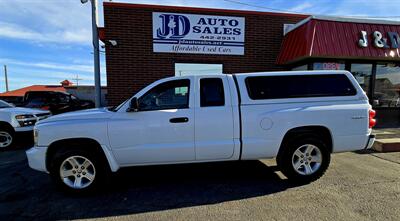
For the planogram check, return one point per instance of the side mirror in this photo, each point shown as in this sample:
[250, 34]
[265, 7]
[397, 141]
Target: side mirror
[134, 105]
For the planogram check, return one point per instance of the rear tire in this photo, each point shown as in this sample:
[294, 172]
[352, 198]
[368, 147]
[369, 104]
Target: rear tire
[7, 138]
[77, 171]
[304, 158]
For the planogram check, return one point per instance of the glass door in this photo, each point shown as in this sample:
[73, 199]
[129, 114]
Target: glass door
[386, 98]
[362, 73]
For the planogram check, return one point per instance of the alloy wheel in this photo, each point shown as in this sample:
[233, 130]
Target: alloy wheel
[307, 159]
[77, 172]
[5, 139]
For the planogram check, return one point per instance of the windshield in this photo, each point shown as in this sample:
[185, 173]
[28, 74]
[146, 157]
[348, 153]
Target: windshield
[35, 102]
[4, 104]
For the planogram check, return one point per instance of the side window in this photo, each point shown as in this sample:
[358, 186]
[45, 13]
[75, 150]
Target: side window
[63, 98]
[296, 86]
[168, 95]
[52, 98]
[211, 92]
[74, 99]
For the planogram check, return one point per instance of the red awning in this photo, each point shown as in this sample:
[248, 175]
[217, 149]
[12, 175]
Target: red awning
[330, 38]
[21, 92]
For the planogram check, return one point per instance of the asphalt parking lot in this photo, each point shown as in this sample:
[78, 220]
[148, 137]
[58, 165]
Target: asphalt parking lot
[357, 186]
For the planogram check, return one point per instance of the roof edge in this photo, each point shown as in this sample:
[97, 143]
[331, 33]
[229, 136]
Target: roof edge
[343, 19]
[161, 7]
[355, 20]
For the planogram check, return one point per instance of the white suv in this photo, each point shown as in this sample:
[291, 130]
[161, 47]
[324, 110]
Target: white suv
[14, 120]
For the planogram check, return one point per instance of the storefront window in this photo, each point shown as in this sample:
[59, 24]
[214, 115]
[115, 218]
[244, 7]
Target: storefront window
[387, 85]
[328, 66]
[362, 73]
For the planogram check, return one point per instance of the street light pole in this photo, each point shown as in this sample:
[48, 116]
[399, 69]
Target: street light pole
[96, 53]
[5, 77]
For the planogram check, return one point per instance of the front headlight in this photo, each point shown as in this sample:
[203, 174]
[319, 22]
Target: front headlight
[35, 137]
[24, 116]
[25, 120]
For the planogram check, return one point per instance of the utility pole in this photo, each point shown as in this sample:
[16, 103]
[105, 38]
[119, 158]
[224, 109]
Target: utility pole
[96, 53]
[5, 77]
[77, 79]
[96, 57]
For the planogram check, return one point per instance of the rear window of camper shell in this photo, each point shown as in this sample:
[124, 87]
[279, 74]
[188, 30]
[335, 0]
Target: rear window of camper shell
[299, 86]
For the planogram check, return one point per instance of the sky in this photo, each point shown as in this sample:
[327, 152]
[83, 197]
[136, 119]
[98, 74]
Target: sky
[47, 41]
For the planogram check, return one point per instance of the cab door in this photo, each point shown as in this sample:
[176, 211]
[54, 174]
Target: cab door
[161, 131]
[214, 126]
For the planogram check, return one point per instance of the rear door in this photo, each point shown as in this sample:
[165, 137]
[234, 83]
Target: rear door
[214, 129]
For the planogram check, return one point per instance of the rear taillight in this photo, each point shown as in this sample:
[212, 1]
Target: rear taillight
[372, 121]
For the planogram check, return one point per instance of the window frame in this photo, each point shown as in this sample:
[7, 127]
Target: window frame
[168, 82]
[374, 90]
[251, 96]
[201, 92]
[371, 76]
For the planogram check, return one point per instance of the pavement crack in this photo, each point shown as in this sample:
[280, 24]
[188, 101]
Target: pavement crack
[382, 158]
[366, 184]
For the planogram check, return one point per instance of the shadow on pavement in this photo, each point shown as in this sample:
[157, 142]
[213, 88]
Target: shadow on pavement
[365, 151]
[27, 194]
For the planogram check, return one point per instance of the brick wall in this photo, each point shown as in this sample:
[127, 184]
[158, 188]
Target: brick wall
[131, 65]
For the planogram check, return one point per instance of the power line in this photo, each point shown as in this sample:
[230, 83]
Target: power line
[77, 79]
[258, 6]
[297, 12]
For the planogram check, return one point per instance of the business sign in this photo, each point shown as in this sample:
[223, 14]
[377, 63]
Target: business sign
[379, 41]
[328, 66]
[198, 34]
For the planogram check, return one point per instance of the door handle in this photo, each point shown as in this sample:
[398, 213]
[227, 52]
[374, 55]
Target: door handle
[179, 120]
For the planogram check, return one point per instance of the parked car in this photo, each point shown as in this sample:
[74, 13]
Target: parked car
[14, 120]
[386, 100]
[298, 117]
[16, 101]
[55, 101]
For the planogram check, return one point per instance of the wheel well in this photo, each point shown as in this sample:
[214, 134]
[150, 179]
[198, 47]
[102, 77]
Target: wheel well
[4, 124]
[319, 131]
[81, 143]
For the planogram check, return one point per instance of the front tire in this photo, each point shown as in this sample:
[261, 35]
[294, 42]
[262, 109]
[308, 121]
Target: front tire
[304, 159]
[7, 138]
[77, 171]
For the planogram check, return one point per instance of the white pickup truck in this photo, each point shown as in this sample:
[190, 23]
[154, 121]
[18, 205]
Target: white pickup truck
[298, 117]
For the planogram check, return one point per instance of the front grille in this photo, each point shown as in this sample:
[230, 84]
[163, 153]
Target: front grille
[42, 116]
[26, 123]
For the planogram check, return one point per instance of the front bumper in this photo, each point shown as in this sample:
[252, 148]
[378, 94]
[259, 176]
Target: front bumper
[23, 129]
[37, 158]
[370, 142]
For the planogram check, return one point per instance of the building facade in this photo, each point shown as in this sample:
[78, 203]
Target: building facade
[146, 42]
[132, 63]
